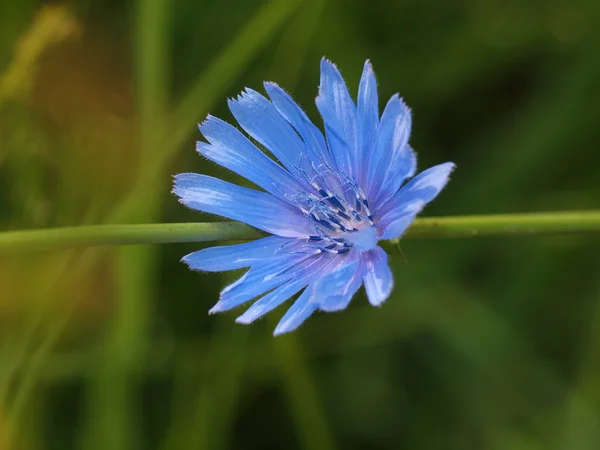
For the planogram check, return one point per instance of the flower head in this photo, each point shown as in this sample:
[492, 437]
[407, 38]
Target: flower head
[326, 201]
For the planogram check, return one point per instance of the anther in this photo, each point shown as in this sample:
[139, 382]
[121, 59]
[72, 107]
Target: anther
[325, 224]
[335, 202]
[344, 215]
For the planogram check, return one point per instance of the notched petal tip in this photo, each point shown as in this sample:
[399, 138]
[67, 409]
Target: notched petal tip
[368, 68]
[249, 91]
[326, 60]
[206, 122]
[403, 105]
[328, 65]
[268, 84]
[271, 87]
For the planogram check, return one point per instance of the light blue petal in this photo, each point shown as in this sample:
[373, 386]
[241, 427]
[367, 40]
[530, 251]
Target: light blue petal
[424, 187]
[333, 291]
[261, 120]
[391, 145]
[377, 276]
[339, 117]
[261, 278]
[270, 301]
[258, 209]
[310, 134]
[402, 166]
[230, 257]
[296, 315]
[277, 296]
[231, 149]
[395, 223]
[368, 118]
[413, 164]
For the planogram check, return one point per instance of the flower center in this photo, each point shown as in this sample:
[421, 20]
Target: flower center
[339, 211]
[364, 240]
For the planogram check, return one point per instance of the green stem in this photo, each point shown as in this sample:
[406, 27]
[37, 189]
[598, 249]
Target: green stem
[96, 235]
[507, 224]
[161, 233]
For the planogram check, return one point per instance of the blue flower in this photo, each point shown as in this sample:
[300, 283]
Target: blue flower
[326, 201]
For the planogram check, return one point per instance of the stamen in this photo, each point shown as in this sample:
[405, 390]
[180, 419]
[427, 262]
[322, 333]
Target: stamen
[326, 225]
[333, 200]
[344, 215]
[329, 206]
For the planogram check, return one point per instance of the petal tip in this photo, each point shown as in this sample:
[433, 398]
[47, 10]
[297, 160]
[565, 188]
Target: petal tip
[216, 309]
[243, 320]
[327, 65]
[280, 330]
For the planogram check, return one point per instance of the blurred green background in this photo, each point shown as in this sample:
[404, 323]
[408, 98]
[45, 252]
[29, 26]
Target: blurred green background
[486, 343]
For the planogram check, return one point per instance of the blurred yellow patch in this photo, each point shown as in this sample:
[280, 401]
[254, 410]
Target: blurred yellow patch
[52, 25]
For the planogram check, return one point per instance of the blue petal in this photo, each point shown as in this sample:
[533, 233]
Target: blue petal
[377, 277]
[231, 149]
[424, 187]
[394, 223]
[230, 257]
[310, 134]
[296, 315]
[402, 166]
[276, 297]
[339, 117]
[271, 301]
[413, 164]
[261, 120]
[368, 118]
[258, 209]
[333, 291]
[391, 144]
[261, 278]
